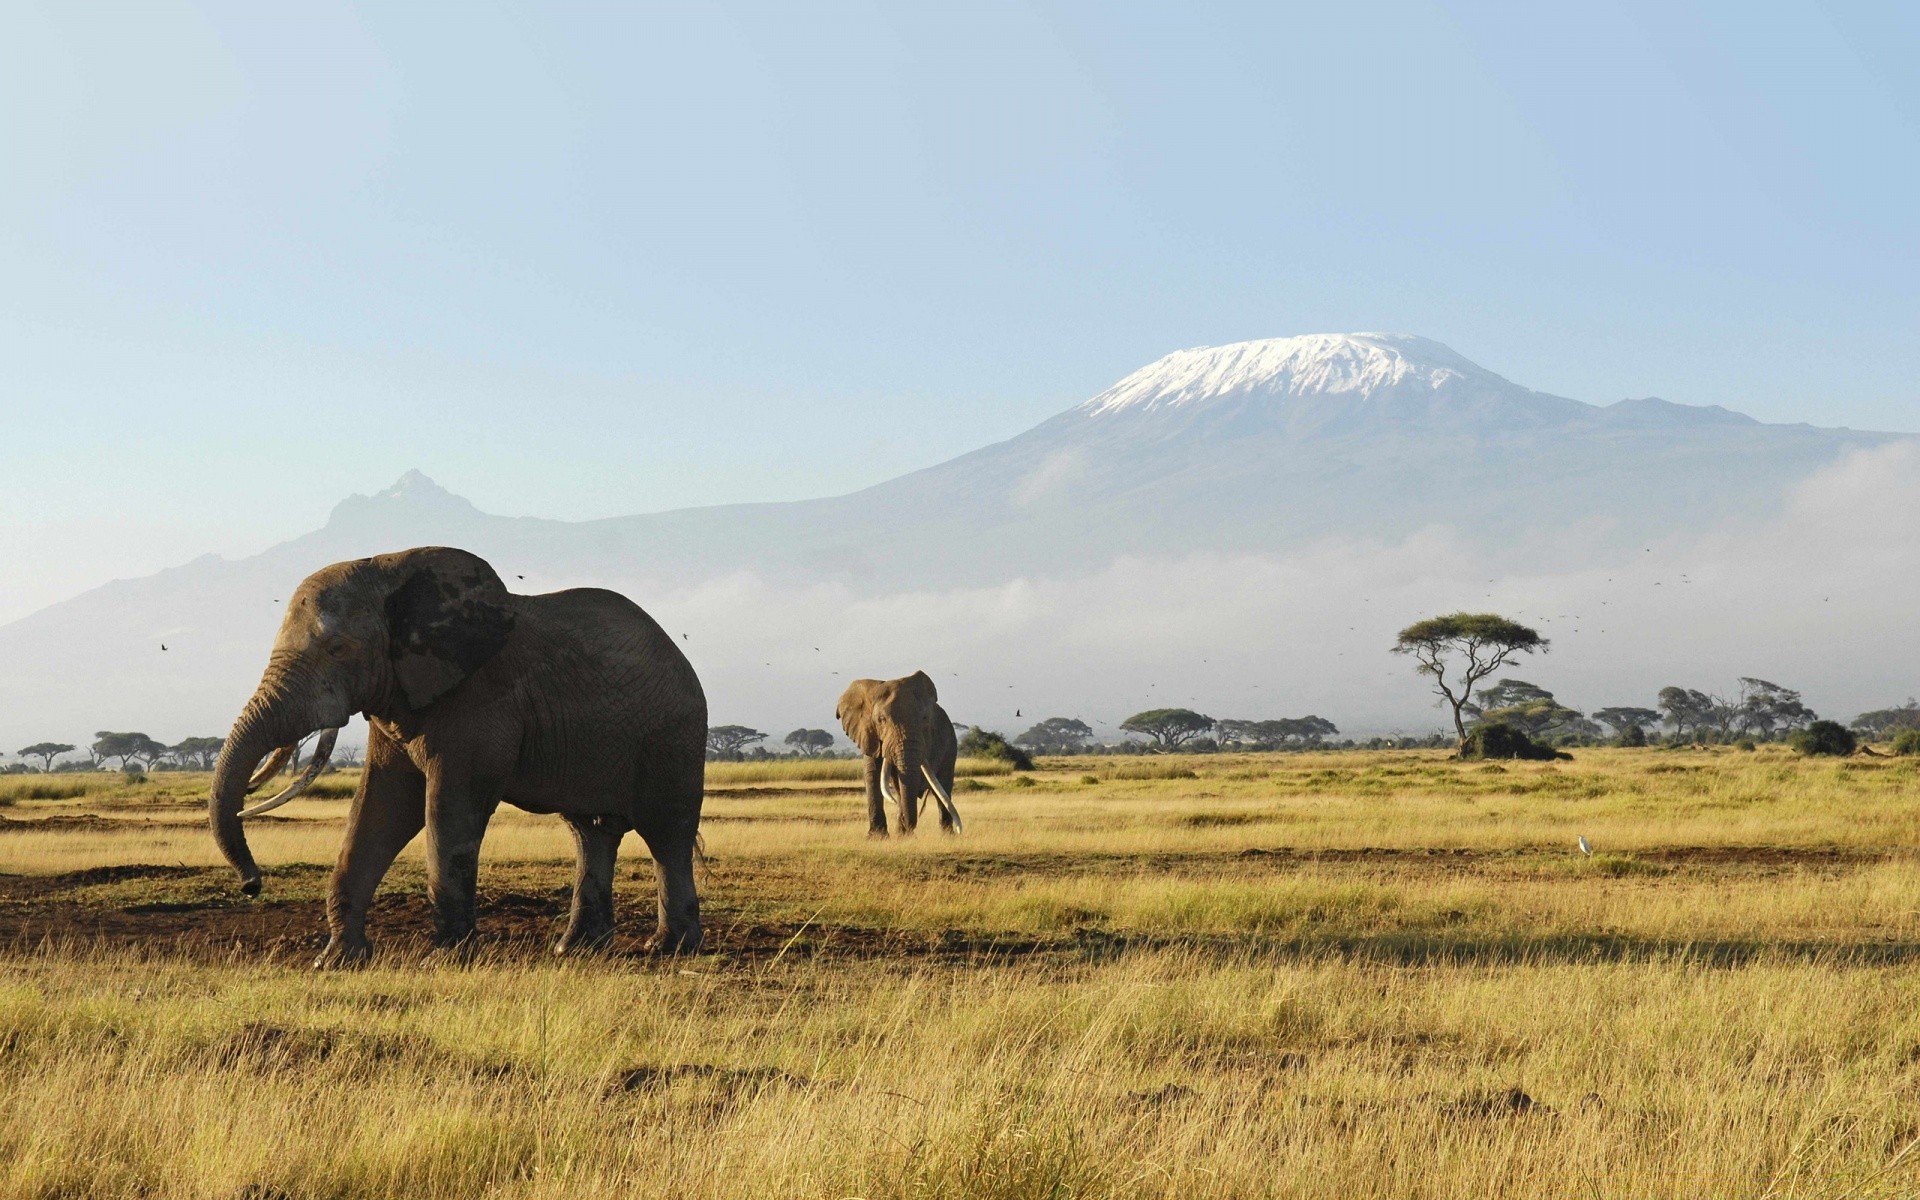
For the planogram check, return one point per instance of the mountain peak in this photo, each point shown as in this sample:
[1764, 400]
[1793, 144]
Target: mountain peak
[414, 485]
[413, 495]
[1357, 364]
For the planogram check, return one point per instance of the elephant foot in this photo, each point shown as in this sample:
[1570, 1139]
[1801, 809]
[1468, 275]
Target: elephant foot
[457, 948]
[584, 941]
[879, 835]
[668, 941]
[344, 954]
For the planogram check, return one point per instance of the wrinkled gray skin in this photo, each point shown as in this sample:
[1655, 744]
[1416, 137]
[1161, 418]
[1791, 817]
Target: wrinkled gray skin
[573, 703]
[899, 725]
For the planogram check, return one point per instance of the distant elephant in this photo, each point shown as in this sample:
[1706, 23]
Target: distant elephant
[908, 740]
[572, 702]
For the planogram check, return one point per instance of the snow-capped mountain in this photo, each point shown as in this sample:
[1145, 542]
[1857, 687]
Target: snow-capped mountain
[1330, 374]
[1265, 447]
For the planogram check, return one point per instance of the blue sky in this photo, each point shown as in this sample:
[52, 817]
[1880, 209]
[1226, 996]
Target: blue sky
[582, 260]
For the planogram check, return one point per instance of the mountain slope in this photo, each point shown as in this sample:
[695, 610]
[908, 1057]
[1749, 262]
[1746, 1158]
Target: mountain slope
[1259, 447]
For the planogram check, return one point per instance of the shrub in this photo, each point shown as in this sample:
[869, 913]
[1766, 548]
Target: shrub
[1824, 737]
[1497, 740]
[1634, 736]
[984, 743]
[1745, 744]
[1907, 742]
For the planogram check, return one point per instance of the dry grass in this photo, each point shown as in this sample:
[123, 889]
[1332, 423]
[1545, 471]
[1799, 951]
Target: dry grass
[1363, 975]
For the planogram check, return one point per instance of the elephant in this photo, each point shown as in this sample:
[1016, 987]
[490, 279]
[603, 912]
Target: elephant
[908, 740]
[572, 702]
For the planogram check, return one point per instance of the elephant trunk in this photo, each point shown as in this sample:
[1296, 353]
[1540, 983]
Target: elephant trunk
[901, 771]
[272, 719]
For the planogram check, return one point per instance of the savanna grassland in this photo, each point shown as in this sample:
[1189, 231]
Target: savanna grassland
[1340, 975]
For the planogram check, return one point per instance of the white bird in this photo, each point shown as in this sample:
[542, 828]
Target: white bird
[1584, 848]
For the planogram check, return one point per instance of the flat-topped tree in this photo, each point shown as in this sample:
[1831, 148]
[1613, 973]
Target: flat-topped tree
[809, 741]
[197, 751]
[724, 741]
[1170, 728]
[46, 752]
[1056, 735]
[127, 747]
[1459, 650]
[1624, 717]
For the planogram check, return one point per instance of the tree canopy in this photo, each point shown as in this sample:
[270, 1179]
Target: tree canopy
[725, 740]
[1880, 723]
[1694, 713]
[1056, 735]
[196, 751]
[1763, 710]
[1531, 709]
[1472, 646]
[46, 752]
[809, 741]
[127, 747]
[1284, 733]
[1767, 710]
[1621, 719]
[1170, 728]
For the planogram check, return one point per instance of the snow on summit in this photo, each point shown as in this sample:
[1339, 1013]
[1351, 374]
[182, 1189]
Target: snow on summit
[1310, 364]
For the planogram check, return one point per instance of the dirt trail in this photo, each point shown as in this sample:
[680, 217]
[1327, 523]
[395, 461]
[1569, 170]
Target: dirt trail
[195, 912]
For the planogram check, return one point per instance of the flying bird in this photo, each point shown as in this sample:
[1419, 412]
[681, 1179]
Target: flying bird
[1584, 847]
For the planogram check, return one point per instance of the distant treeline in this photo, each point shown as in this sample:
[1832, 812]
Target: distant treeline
[1757, 711]
[137, 753]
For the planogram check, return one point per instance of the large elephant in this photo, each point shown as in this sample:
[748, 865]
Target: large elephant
[908, 740]
[573, 702]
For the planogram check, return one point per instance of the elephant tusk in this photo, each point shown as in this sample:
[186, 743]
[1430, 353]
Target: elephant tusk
[946, 801]
[275, 761]
[322, 753]
[899, 804]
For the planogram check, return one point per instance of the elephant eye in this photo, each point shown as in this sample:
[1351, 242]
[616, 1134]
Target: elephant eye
[337, 647]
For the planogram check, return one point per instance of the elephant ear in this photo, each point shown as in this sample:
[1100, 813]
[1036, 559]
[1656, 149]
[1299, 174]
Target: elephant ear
[448, 616]
[855, 711]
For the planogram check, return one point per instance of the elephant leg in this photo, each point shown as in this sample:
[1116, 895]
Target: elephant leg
[678, 905]
[876, 806]
[597, 841]
[388, 810]
[457, 816]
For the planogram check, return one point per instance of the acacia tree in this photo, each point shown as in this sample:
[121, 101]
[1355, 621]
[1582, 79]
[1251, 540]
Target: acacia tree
[1287, 732]
[1531, 709]
[196, 751]
[1056, 735]
[809, 741]
[1767, 710]
[1879, 723]
[127, 747]
[46, 752]
[1471, 646]
[1620, 719]
[1696, 713]
[724, 741]
[1170, 728]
